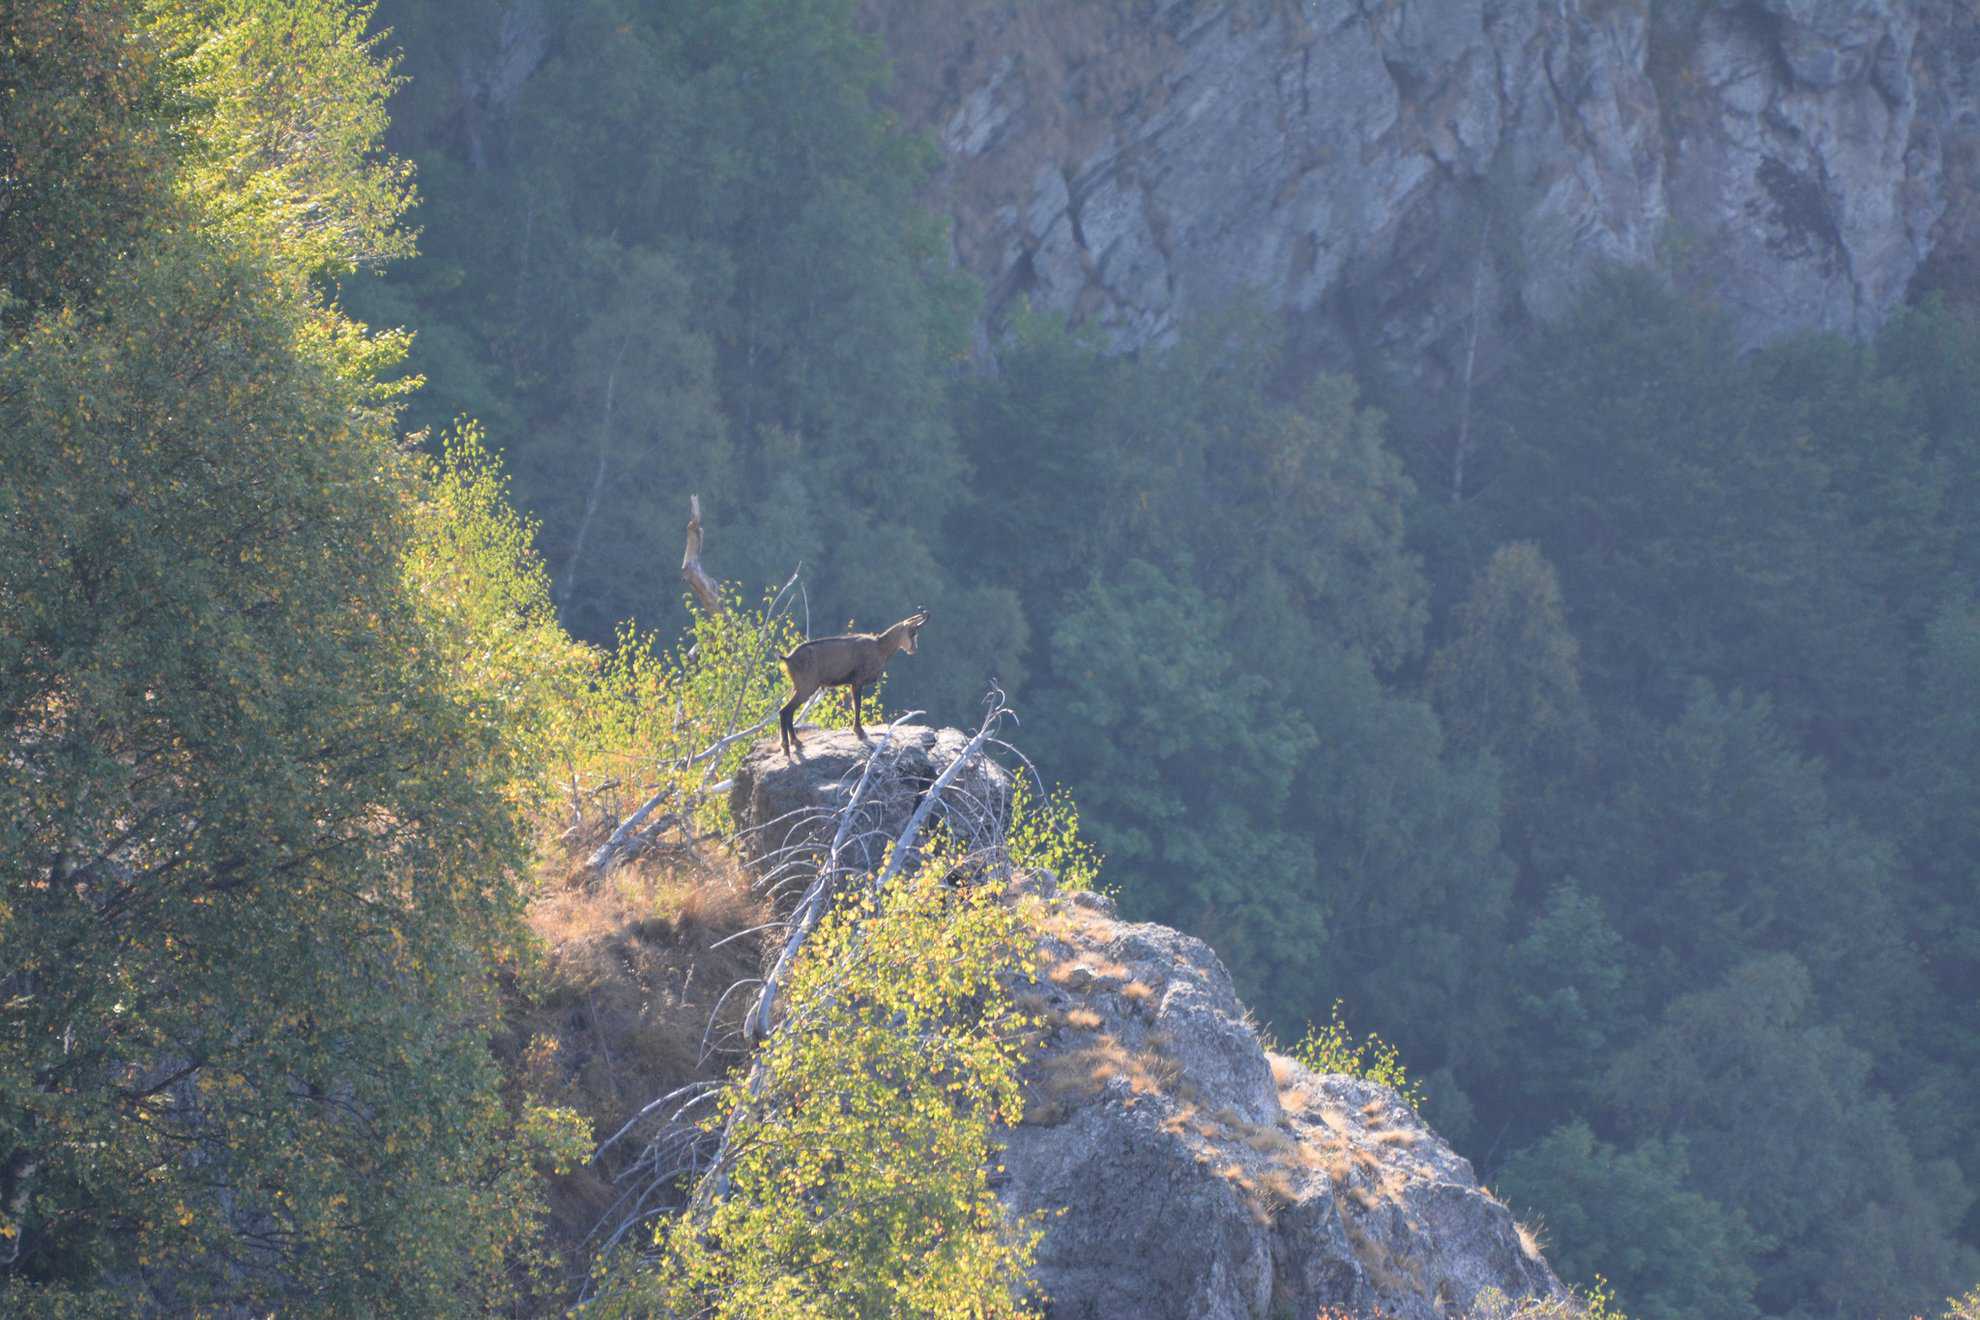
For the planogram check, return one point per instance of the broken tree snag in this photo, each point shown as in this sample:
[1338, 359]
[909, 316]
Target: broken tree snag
[692, 572]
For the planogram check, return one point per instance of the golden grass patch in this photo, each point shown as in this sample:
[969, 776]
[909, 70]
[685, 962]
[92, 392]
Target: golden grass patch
[616, 1009]
[1284, 1071]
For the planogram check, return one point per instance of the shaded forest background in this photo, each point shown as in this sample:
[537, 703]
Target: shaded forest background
[1629, 789]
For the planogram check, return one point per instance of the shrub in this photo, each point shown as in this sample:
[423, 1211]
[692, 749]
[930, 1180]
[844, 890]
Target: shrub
[1334, 1049]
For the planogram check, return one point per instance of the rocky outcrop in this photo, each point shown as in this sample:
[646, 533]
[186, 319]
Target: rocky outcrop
[1398, 176]
[786, 810]
[1202, 1176]
[1178, 1168]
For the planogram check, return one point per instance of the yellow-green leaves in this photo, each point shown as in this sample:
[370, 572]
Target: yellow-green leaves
[1044, 835]
[285, 112]
[859, 1157]
[1334, 1049]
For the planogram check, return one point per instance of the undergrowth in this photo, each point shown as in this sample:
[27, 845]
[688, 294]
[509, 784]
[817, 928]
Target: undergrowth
[1334, 1049]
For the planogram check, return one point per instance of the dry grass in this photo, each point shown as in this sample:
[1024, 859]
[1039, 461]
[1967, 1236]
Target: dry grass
[1264, 1194]
[1069, 920]
[1531, 1240]
[1275, 1192]
[1088, 972]
[615, 1011]
[1069, 1075]
[1396, 1138]
[1033, 1005]
[1269, 1141]
[1284, 1071]
[1137, 992]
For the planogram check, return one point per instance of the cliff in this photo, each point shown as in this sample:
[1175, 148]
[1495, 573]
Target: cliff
[1413, 181]
[1184, 1169]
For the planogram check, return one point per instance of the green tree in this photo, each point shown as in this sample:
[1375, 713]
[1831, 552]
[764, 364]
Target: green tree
[1412, 876]
[1186, 763]
[1783, 1126]
[1567, 997]
[1046, 439]
[1931, 352]
[257, 870]
[1725, 846]
[258, 854]
[860, 1144]
[1508, 682]
[85, 148]
[1630, 1217]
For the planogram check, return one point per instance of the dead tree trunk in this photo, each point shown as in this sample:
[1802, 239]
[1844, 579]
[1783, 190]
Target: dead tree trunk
[692, 573]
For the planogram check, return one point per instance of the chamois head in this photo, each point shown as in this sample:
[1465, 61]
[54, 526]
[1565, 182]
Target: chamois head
[909, 627]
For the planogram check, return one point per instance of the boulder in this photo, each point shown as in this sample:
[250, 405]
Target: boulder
[786, 810]
[1182, 1170]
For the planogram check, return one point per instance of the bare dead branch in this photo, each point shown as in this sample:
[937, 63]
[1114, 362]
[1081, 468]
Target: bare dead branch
[812, 906]
[703, 586]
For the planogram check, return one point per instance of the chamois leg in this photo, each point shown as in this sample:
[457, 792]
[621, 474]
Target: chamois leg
[858, 732]
[787, 727]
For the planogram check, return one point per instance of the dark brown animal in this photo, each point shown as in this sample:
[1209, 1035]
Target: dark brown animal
[854, 660]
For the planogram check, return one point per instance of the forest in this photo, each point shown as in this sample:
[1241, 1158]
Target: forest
[1621, 775]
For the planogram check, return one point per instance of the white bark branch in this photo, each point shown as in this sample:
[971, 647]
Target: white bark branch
[812, 905]
[697, 578]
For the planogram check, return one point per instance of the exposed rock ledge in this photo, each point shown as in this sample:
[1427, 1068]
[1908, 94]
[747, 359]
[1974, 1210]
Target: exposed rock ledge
[1200, 1176]
[1393, 175]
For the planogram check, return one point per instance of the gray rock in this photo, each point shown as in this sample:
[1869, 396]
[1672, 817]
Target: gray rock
[1181, 1171]
[1368, 169]
[785, 810]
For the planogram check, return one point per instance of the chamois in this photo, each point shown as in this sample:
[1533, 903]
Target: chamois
[853, 660]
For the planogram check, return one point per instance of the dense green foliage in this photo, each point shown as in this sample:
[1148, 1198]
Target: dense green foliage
[1683, 742]
[1629, 794]
[256, 863]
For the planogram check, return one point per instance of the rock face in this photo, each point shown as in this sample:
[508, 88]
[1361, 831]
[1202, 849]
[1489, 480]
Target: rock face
[1199, 1176]
[1416, 179]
